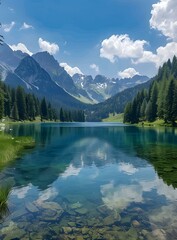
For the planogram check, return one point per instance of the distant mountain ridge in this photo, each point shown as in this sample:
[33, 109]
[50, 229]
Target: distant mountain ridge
[42, 74]
[101, 88]
[30, 75]
[115, 104]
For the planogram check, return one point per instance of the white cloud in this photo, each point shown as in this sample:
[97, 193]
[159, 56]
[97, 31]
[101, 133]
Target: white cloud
[164, 18]
[71, 171]
[162, 55]
[70, 70]
[21, 192]
[127, 168]
[120, 197]
[47, 194]
[52, 48]
[121, 46]
[128, 73]
[8, 27]
[95, 67]
[26, 26]
[21, 47]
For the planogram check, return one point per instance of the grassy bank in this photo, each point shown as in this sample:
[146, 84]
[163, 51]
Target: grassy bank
[11, 148]
[114, 118]
[157, 123]
[37, 120]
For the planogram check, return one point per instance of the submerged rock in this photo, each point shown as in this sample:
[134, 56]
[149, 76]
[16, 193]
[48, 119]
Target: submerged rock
[31, 207]
[72, 224]
[136, 224]
[16, 234]
[108, 220]
[81, 211]
[67, 230]
[75, 205]
[49, 215]
[159, 234]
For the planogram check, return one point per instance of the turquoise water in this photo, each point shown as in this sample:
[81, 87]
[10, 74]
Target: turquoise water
[92, 181]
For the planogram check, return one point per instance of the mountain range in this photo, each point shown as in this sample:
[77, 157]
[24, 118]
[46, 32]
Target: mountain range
[42, 74]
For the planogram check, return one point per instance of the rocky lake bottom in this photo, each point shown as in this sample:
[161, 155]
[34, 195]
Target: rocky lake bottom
[92, 181]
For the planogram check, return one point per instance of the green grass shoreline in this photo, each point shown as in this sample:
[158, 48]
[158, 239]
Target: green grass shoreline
[13, 147]
[119, 118]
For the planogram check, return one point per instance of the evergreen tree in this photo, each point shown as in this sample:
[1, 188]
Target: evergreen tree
[174, 106]
[143, 109]
[7, 104]
[21, 103]
[31, 107]
[168, 102]
[44, 110]
[14, 113]
[61, 115]
[149, 112]
[50, 112]
[153, 99]
[128, 113]
[1, 105]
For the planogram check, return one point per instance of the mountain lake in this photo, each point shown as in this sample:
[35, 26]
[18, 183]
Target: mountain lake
[92, 181]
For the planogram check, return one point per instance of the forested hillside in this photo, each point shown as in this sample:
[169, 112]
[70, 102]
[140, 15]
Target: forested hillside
[160, 101]
[115, 104]
[18, 105]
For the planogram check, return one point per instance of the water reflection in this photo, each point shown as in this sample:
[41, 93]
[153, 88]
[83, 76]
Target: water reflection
[102, 179]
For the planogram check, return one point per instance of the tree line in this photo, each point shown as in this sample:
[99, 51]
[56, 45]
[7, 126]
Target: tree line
[18, 105]
[160, 101]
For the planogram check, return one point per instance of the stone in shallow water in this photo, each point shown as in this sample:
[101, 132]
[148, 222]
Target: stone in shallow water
[85, 230]
[18, 213]
[159, 234]
[132, 233]
[75, 205]
[81, 211]
[15, 234]
[91, 222]
[71, 224]
[48, 215]
[51, 205]
[108, 220]
[31, 207]
[136, 224]
[79, 238]
[111, 219]
[67, 230]
[103, 210]
[126, 220]
[10, 228]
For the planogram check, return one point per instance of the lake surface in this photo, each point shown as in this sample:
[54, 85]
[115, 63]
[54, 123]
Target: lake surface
[92, 181]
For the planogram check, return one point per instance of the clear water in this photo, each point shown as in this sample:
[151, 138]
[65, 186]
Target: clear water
[92, 181]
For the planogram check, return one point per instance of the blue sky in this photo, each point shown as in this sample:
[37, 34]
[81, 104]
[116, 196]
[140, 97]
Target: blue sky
[116, 38]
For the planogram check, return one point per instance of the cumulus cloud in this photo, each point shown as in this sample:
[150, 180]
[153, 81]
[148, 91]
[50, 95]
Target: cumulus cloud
[21, 47]
[52, 48]
[127, 168]
[162, 55]
[164, 18]
[8, 27]
[21, 192]
[26, 26]
[95, 67]
[128, 73]
[121, 46]
[70, 70]
[71, 171]
[120, 197]
[47, 194]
